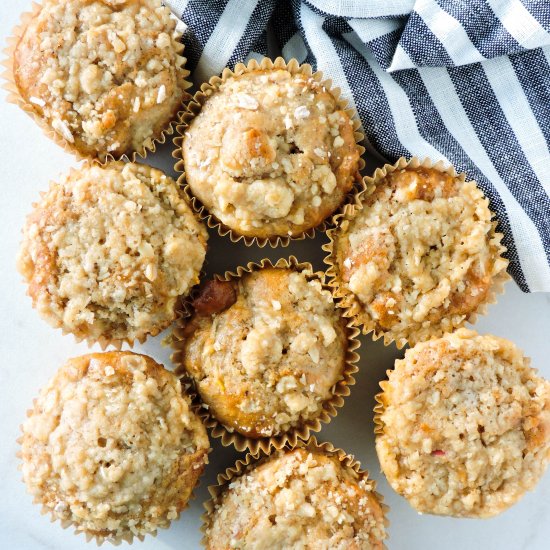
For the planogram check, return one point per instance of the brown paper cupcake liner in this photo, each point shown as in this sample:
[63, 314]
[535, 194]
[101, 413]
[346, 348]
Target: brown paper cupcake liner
[193, 108]
[100, 539]
[302, 432]
[353, 307]
[149, 146]
[181, 308]
[251, 461]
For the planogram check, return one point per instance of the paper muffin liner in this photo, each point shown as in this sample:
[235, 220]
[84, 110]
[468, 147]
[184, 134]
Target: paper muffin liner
[251, 461]
[181, 307]
[194, 107]
[301, 432]
[353, 307]
[14, 96]
[100, 539]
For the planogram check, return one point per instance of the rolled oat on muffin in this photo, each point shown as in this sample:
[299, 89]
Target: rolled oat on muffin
[267, 352]
[108, 250]
[303, 498]
[418, 254]
[463, 425]
[271, 152]
[112, 446]
[104, 77]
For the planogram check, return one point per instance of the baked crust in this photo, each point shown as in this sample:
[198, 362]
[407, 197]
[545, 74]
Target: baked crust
[108, 250]
[104, 74]
[112, 446]
[268, 356]
[271, 153]
[297, 499]
[464, 425]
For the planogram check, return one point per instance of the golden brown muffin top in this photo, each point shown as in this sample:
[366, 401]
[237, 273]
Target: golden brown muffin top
[112, 445]
[421, 256]
[271, 153]
[265, 350]
[298, 499]
[104, 74]
[107, 251]
[466, 425]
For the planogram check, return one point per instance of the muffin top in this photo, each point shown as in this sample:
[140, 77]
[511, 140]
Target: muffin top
[465, 425]
[112, 445]
[107, 251]
[298, 499]
[265, 350]
[104, 74]
[271, 153]
[421, 255]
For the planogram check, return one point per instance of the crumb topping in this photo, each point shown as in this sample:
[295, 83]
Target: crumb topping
[105, 74]
[298, 499]
[466, 425]
[269, 357]
[107, 251]
[421, 255]
[112, 445]
[271, 153]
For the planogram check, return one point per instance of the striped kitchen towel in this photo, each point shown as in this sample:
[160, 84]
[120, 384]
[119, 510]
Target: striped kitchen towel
[466, 81]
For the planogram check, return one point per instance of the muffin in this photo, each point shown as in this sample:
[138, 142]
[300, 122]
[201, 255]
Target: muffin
[418, 254]
[303, 498]
[267, 352]
[463, 425]
[103, 76]
[108, 250]
[112, 446]
[272, 151]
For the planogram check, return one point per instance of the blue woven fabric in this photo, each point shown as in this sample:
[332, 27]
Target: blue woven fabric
[464, 81]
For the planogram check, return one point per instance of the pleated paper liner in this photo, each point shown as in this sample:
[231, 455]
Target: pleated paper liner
[194, 107]
[352, 305]
[301, 432]
[180, 307]
[251, 461]
[98, 538]
[14, 96]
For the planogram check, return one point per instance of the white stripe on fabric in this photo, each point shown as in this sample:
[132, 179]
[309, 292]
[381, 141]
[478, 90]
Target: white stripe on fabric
[364, 8]
[516, 109]
[177, 6]
[449, 32]
[525, 235]
[253, 55]
[372, 29]
[295, 47]
[400, 60]
[517, 20]
[403, 115]
[224, 39]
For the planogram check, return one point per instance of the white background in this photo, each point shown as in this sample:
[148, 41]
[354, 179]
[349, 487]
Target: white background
[32, 351]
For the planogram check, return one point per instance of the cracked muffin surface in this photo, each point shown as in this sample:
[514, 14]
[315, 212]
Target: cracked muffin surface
[421, 256]
[113, 446]
[107, 251]
[265, 350]
[464, 425]
[271, 153]
[105, 75]
[297, 499]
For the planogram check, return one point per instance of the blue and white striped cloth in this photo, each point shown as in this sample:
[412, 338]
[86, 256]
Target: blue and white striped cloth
[466, 81]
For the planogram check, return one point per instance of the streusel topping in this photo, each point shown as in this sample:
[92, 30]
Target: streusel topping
[301, 500]
[107, 251]
[421, 255]
[267, 358]
[112, 445]
[105, 74]
[271, 153]
[466, 425]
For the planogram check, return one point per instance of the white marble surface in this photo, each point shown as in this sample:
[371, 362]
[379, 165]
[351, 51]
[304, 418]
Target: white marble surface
[32, 352]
